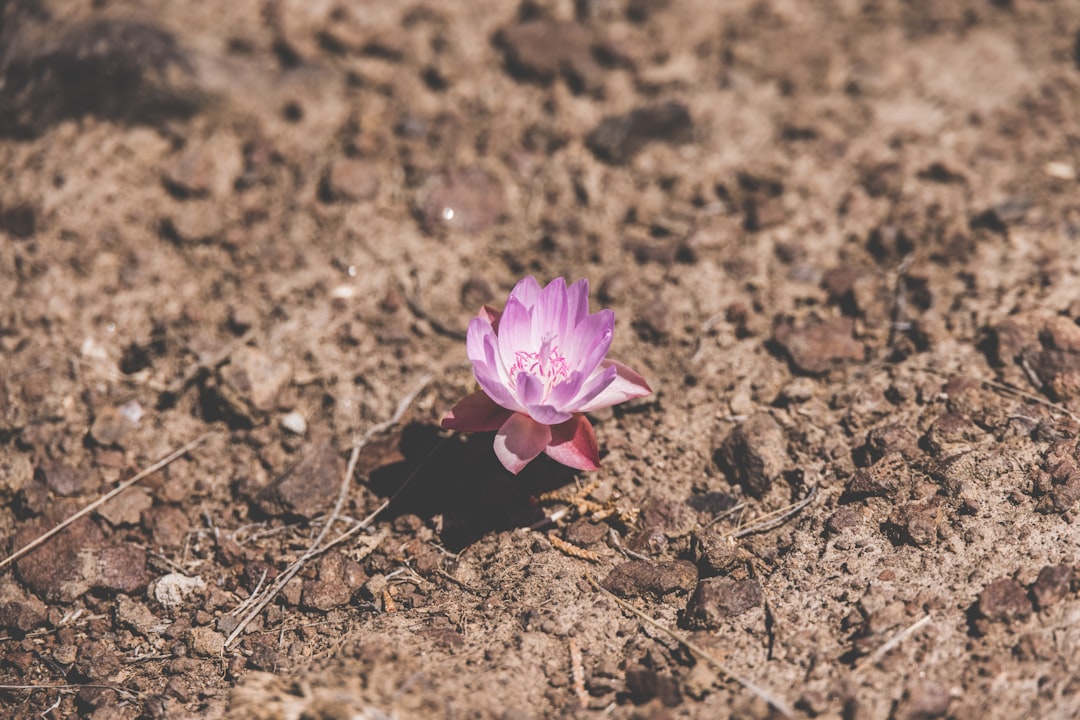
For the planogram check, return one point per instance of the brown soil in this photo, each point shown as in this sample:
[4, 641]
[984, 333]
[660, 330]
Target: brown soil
[841, 241]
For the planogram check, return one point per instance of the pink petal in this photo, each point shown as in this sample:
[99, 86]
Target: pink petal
[587, 344]
[519, 440]
[526, 291]
[627, 385]
[515, 332]
[475, 412]
[547, 414]
[549, 312]
[573, 443]
[577, 303]
[491, 315]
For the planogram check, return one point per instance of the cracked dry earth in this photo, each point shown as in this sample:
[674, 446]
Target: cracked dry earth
[841, 241]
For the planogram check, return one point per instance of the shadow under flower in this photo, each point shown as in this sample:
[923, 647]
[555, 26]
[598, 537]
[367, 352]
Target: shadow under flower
[459, 478]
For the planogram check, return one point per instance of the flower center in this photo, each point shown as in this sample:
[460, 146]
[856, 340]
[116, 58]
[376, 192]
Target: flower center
[546, 364]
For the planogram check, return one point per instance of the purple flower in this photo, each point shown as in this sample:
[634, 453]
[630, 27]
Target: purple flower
[541, 365]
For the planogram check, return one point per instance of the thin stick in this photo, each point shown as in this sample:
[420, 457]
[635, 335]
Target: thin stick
[103, 499]
[776, 518]
[316, 548]
[894, 641]
[1030, 396]
[779, 705]
[577, 673]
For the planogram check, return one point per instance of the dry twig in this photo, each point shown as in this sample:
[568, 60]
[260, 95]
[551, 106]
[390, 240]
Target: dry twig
[702, 654]
[103, 499]
[775, 518]
[577, 673]
[894, 641]
[317, 547]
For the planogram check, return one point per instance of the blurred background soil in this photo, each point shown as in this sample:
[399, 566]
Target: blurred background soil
[841, 242]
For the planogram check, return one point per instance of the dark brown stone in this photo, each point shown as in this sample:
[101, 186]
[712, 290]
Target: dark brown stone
[584, 533]
[167, 525]
[641, 578]
[755, 453]
[121, 568]
[1004, 600]
[717, 599]
[61, 569]
[817, 347]
[617, 139]
[1052, 585]
[308, 489]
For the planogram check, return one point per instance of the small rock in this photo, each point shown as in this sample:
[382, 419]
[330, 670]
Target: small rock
[639, 578]
[717, 599]
[127, 507]
[952, 432]
[584, 533]
[755, 453]
[195, 222]
[96, 659]
[715, 554]
[339, 577]
[307, 489]
[110, 426]
[881, 479]
[351, 180]
[59, 570]
[467, 199]
[843, 519]
[22, 615]
[121, 568]
[541, 50]
[16, 470]
[138, 617]
[1052, 585]
[206, 642]
[1004, 600]
[817, 347]
[915, 523]
[61, 478]
[895, 437]
[263, 657]
[253, 380]
[19, 220]
[167, 524]
[673, 518]
[294, 423]
[617, 139]
[204, 167]
[173, 590]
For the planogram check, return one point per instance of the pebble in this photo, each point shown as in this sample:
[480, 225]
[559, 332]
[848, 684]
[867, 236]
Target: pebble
[1004, 600]
[127, 507]
[843, 519]
[617, 139]
[584, 533]
[121, 568]
[754, 453]
[19, 220]
[309, 489]
[61, 478]
[138, 617]
[96, 660]
[673, 518]
[641, 578]
[206, 642]
[541, 50]
[295, 423]
[466, 199]
[174, 590]
[815, 348]
[339, 577]
[915, 522]
[16, 470]
[195, 222]
[952, 432]
[894, 437]
[255, 379]
[882, 479]
[22, 615]
[59, 570]
[167, 524]
[714, 553]
[351, 180]
[1057, 364]
[110, 426]
[1052, 585]
[717, 599]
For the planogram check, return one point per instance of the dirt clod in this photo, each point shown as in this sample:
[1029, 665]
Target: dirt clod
[307, 489]
[816, 347]
[716, 600]
[642, 578]
[755, 453]
[1004, 600]
[1052, 585]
